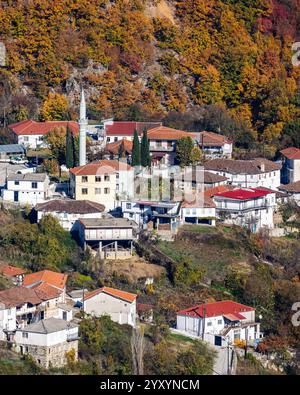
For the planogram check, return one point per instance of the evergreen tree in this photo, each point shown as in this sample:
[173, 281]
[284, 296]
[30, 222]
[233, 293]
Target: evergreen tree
[184, 149]
[145, 151]
[136, 150]
[70, 160]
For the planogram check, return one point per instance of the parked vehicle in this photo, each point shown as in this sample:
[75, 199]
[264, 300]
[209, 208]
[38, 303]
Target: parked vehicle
[17, 160]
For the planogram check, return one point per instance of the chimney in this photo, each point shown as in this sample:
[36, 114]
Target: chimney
[263, 167]
[82, 130]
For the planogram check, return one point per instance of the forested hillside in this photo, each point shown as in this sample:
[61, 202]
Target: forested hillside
[226, 62]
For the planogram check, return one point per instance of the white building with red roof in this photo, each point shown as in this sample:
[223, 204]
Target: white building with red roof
[215, 145]
[119, 305]
[119, 130]
[225, 318]
[291, 165]
[31, 133]
[248, 207]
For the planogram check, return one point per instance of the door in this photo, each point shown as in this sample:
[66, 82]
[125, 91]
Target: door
[16, 196]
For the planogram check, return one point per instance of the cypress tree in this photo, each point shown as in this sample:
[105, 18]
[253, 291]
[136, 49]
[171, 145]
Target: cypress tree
[136, 150]
[70, 162]
[145, 151]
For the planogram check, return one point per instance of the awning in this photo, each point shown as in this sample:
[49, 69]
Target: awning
[234, 316]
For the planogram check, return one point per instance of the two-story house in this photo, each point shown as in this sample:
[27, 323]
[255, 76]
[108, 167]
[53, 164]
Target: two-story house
[222, 319]
[159, 215]
[29, 188]
[31, 134]
[214, 145]
[253, 173]
[119, 305]
[119, 130]
[291, 165]
[102, 182]
[48, 341]
[200, 211]
[162, 144]
[69, 211]
[248, 207]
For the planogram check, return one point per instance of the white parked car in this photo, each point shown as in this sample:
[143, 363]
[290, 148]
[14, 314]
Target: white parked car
[17, 160]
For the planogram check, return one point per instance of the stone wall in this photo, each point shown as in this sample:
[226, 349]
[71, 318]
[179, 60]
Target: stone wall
[53, 356]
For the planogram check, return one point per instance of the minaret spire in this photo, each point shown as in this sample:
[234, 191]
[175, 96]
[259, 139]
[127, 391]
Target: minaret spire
[82, 130]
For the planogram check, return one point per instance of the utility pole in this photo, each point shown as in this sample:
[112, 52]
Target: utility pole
[203, 328]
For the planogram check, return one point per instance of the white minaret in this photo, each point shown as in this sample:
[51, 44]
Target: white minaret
[82, 130]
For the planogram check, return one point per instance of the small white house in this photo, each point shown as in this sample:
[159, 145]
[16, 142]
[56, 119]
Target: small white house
[292, 191]
[226, 319]
[254, 173]
[249, 207]
[30, 188]
[119, 305]
[68, 211]
[48, 341]
[199, 211]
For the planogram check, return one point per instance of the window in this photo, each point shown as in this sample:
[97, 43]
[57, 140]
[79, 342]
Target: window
[84, 179]
[34, 185]
[26, 138]
[84, 191]
[17, 182]
[209, 324]
[108, 139]
[65, 315]
[106, 177]
[220, 322]
[128, 206]
[97, 191]
[25, 335]
[169, 144]
[98, 178]
[158, 144]
[9, 312]
[40, 138]
[131, 215]
[116, 139]
[106, 191]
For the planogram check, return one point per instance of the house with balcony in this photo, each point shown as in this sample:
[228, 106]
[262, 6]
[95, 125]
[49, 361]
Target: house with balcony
[48, 341]
[291, 165]
[252, 208]
[163, 216]
[20, 306]
[119, 305]
[29, 188]
[201, 210]
[111, 237]
[215, 322]
[162, 144]
[103, 182]
[253, 173]
[214, 145]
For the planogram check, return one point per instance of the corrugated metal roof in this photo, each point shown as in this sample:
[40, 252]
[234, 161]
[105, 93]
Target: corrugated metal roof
[12, 148]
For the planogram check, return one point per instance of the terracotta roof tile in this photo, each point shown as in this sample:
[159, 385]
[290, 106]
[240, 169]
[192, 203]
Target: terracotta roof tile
[18, 296]
[100, 167]
[120, 128]
[117, 293]
[54, 279]
[215, 309]
[212, 139]
[29, 127]
[291, 153]
[165, 133]
[254, 166]
[114, 148]
[11, 271]
[293, 187]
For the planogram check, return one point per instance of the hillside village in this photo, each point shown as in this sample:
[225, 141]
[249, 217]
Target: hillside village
[149, 187]
[147, 183]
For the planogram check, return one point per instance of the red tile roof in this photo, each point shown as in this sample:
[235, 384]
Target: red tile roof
[114, 148]
[11, 271]
[244, 194]
[100, 167]
[215, 309]
[117, 293]
[220, 188]
[18, 296]
[291, 153]
[128, 128]
[213, 139]
[30, 127]
[206, 203]
[70, 206]
[165, 133]
[57, 280]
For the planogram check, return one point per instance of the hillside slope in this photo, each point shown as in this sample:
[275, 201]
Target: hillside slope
[144, 59]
